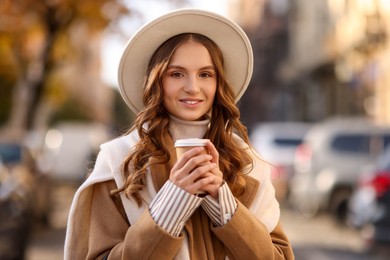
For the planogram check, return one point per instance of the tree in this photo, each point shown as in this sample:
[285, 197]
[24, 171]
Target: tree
[35, 42]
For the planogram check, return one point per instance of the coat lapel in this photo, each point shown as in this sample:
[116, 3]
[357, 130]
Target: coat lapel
[160, 171]
[251, 188]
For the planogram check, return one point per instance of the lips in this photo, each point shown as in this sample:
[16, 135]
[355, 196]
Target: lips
[191, 101]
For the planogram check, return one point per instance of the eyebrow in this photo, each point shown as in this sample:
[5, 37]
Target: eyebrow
[183, 68]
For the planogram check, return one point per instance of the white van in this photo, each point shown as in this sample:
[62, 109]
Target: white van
[70, 149]
[329, 161]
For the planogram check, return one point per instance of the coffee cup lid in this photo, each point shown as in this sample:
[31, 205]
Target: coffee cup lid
[191, 142]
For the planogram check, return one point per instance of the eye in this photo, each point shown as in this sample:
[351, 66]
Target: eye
[206, 74]
[176, 74]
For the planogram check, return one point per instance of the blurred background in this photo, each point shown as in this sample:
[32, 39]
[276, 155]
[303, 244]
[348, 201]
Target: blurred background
[318, 109]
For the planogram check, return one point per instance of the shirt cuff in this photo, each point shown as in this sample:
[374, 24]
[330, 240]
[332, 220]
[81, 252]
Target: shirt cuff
[220, 211]
[172, 207]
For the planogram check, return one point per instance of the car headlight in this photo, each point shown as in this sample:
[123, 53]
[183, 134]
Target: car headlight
[325, 180]
[53, 139]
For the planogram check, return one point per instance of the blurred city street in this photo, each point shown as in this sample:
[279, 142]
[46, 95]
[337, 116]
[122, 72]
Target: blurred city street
[317, 108]
[318, 238]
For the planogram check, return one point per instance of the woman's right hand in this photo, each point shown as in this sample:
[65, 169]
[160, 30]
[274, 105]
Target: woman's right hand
[193, 170]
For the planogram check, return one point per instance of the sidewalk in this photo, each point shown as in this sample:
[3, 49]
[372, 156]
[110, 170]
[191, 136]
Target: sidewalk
[47, 243]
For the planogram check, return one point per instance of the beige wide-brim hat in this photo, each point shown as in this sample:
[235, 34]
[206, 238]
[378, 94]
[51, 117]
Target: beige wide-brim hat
[231, 39]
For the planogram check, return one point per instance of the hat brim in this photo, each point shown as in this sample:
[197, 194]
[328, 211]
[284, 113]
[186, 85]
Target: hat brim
[231, 39]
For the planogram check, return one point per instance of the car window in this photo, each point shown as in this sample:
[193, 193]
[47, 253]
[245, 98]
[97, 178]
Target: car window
[383, 162]
[352, 143]
[386, 140]
[10, 153]
[290, 142]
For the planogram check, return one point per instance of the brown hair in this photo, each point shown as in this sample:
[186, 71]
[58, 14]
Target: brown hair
[224, 122]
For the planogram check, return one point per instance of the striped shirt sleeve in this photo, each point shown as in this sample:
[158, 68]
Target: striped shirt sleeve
[172, 207]
[220, 211]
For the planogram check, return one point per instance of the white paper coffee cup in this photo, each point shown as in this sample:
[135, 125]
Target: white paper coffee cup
[183, 145]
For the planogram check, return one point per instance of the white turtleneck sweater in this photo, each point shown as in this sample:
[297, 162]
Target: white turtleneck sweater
[180, 129]
[172, 206]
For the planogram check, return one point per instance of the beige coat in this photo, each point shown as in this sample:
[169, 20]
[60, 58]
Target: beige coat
[101, 225]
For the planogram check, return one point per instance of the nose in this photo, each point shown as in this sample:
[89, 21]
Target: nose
[192, 85]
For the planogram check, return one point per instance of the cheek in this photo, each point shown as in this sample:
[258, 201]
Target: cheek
[212, 92]
[167, 89]
[169, 95]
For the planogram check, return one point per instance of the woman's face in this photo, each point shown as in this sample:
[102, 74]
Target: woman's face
[190, 82]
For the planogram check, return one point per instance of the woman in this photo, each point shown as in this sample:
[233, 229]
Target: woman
[140, 201]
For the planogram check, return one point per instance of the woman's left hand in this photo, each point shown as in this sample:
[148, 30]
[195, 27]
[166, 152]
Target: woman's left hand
[216, 175]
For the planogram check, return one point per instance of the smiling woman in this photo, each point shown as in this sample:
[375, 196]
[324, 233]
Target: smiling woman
[182, 78]
[190, 82]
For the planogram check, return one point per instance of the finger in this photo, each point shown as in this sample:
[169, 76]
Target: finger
[213, 177]
[210, 183]
[188, 155]
[213, 152]
[192, 171]
[196, 162]
[202, 171]
[200, 183]
[194, 176]
[217, 172]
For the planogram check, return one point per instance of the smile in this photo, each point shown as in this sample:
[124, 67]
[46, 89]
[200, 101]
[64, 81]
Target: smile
[191, 102]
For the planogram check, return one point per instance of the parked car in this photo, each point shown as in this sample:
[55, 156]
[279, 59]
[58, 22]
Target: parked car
[276, 143]
[70, 148]
[328, 163]
[21, 203]
[369, 207]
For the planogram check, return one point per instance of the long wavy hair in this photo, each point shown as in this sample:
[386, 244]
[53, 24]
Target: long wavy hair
[152, 122]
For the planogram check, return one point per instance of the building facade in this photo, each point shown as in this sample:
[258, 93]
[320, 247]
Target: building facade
[335, 60]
